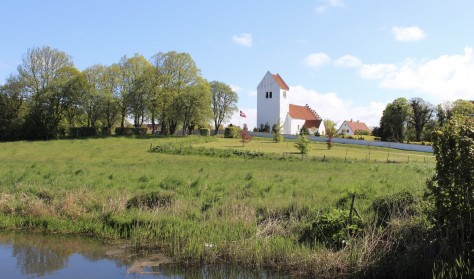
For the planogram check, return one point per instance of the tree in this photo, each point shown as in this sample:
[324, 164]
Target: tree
[394, 120]
[224, 103]
[303, 145]
[452, 187]
[175, 72]
[330, 131]
[421, 114]
[133, 88]
[193, 105]
[461, 108]
[244, 135]
[12, 105]
[47, 76]
[276, 131]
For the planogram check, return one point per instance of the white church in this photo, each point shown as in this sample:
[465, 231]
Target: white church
[273, 105]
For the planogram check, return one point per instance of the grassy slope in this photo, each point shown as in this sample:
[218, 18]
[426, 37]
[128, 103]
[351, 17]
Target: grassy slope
[217, 200]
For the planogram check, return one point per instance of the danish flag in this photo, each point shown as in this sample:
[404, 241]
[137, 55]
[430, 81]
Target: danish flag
[242, 114]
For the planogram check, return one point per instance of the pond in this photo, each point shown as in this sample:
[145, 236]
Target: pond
[27, 255]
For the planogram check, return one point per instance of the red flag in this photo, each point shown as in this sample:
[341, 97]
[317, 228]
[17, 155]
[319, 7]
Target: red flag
[242, 114]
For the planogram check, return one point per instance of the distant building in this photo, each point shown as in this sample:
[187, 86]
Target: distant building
[273, 105]
[349, 127]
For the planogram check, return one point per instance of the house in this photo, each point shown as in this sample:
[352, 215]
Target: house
[349, 127]
[273, 106]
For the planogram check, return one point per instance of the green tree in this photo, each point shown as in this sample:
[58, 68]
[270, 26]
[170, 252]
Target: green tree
[330, 127]
[276, 131]
[48, 76]
[193, 105]
[12, 105]
[175, 72]
[224, 103]
[452, 188]
[394, 120]
[303, 145]
[422, 112]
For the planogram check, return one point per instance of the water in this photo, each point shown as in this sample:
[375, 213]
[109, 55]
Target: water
[26, 255]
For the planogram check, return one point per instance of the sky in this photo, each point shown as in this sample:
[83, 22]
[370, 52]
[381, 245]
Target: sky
[346, 59]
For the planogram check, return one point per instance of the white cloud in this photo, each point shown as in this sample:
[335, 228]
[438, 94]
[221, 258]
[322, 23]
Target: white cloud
[327, 4]
[406, 34]
[330, 106]
[446, 78]
[348, 61]
[316, 59]
[245, 39]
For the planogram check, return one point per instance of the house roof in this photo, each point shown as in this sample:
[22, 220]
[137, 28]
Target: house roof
[357, 126]
[303, 112]
[280, 82]
[308, 124]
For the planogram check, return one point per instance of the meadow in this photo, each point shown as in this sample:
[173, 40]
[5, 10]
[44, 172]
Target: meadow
[286, 212]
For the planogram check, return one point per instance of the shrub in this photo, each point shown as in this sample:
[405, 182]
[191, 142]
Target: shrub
[130, 131]
[264, 128]
[317, 134]
[303, 145]
[362, 132]
[204, 132]
[232, 132]
[304, 131]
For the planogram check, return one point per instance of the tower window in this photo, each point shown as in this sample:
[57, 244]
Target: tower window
[266, 96]
[284, 94]
[270, 94]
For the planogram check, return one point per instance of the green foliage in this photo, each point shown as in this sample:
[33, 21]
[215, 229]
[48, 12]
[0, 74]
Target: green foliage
[264, 128]
[303, 145]
[452, 187]
[276, 131]
[304, 131]
[362, 133]
[224, 103]
[394, 120]
[232, 132]
[130, 131]
[204, 132]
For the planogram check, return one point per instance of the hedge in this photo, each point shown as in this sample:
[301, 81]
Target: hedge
[130, 131]
[77, 132]
[232, 132]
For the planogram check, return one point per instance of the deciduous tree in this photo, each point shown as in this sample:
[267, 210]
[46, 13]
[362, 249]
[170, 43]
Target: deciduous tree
[224, 103]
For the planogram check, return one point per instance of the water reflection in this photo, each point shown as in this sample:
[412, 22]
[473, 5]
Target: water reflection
[26, 255]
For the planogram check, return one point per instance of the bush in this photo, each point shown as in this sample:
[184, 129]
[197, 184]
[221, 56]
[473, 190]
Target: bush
[78, 132]
[304, 132]
[377, 138]
[232, 132]
[362, 132]
[130, 131]
[317, 134]
[204, 132]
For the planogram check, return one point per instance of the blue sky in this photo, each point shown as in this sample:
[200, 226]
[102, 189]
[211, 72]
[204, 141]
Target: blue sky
[345, 58]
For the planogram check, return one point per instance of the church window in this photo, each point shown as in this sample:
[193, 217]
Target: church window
[266, 96]
[284, 94]
[270, 94]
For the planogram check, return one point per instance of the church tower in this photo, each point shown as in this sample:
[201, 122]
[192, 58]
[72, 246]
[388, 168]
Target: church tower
[272, 100]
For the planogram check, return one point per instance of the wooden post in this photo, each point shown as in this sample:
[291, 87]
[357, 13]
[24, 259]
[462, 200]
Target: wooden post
[352, 209]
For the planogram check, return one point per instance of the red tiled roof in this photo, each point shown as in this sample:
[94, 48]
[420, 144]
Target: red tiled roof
[357, 126]
[280, 82]
[303, 112]
[308, 124]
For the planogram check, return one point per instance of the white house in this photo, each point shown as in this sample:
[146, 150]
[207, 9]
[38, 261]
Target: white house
[273, 105]
[349, 127]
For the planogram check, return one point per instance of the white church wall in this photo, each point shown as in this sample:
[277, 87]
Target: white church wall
[269, 108]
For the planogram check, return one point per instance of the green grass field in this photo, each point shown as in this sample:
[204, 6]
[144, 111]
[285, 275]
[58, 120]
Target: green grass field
[252, 211]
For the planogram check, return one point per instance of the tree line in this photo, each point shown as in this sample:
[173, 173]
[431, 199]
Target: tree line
[416, 119]
[48, 95]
